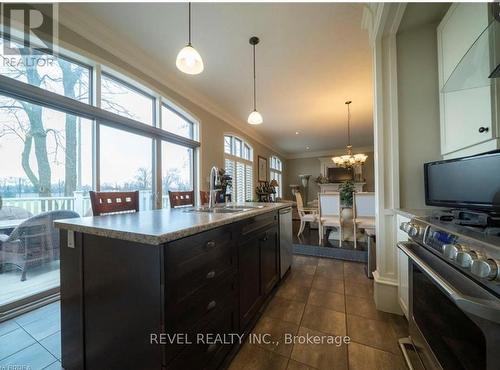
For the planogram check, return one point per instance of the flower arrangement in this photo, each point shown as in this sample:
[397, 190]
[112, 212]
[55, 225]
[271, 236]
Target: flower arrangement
[346, 190]
[321, 179]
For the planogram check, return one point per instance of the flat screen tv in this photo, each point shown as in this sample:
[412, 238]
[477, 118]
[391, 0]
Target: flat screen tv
[469, 182]
[339, 174]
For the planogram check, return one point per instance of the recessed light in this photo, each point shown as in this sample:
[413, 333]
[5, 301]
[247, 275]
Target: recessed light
[296, 132]
[307, 148]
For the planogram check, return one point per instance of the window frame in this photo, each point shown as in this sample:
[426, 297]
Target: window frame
[137, 89]
[276, 167]
[181, 114]
[235, 158]
[92, 110]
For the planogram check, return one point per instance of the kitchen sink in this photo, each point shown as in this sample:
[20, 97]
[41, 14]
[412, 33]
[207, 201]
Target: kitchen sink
[224, 209]
[217, 210]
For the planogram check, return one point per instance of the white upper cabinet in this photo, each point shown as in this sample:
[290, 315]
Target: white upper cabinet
[467, 115]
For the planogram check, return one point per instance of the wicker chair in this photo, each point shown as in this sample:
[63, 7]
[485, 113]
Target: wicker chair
[33, 242]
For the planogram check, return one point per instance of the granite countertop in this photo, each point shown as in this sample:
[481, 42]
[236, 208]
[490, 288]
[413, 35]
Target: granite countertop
[162, 225]
[411, 213]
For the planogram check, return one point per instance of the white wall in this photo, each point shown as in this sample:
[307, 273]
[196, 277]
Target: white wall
[418, 110]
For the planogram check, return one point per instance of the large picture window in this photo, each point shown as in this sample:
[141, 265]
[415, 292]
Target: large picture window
[54, 150]
[55, 74]
[239, 165]
[46, 172]
[126, 164]
[125, 100]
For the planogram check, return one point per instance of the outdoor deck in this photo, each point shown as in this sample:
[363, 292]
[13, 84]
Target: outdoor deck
[38, 279]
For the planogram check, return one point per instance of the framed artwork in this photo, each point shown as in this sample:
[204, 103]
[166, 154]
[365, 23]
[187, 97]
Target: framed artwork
[262, 169]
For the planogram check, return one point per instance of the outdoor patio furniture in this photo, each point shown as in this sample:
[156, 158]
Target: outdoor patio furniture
[114, 202]
[34, 242]
[13, 213]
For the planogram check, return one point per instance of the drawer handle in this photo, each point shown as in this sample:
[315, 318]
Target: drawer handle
[264, 239]
[483, 129]
[212, 347]
[211, 244]
[211, 305]
[211, 274]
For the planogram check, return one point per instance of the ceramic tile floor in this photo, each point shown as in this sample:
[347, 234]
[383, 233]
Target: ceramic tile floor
[32, 340]
[319, 297]
[325, 297]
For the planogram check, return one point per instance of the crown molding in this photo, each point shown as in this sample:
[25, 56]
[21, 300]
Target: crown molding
[329, 153]
[85, 25]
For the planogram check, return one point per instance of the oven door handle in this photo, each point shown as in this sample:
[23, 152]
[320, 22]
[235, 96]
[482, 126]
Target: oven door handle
[486, 309]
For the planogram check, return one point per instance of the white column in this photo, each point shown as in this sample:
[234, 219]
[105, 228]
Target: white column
[382, 21]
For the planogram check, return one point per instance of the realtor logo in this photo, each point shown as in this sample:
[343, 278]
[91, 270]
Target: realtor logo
[29, 26]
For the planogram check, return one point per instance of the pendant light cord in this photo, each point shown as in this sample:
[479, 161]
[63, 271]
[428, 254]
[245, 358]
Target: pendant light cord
[189, 24]
[348, 124]
[254, 88]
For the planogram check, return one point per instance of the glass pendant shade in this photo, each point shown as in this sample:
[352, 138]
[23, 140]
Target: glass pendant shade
[255, 118]
[189, 61]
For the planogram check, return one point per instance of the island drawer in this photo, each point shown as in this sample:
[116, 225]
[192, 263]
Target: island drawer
[198, 309]
[207, 243]
[257, 223]
[209, 344]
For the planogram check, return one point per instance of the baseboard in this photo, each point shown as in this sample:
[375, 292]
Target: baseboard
[386, 294]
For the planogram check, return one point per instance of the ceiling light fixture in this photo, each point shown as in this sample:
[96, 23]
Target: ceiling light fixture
[255, 118]
[296, 132]
[349, 160]
[189, 60]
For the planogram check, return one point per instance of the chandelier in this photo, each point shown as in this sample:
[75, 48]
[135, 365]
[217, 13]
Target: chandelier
[349, 160]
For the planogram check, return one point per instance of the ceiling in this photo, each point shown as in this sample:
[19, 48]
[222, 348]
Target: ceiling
[311, 58]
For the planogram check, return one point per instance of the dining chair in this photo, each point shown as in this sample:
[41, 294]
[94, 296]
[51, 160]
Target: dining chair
[181, 198]
[114, 202]
[363, 212]
[305, 214]
[329, 214]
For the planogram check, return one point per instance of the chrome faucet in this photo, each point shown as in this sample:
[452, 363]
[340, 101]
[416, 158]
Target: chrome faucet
[215, 185]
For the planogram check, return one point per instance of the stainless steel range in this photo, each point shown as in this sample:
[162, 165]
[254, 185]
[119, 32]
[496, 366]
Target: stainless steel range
[454, 296]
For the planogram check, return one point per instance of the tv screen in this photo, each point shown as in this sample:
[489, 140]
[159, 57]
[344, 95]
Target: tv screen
[338, 174]
[470, 182]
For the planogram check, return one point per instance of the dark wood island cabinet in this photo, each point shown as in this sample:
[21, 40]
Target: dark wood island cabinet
[127, 304]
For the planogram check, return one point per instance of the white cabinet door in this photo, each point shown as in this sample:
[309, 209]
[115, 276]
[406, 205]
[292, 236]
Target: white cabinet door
[462, 112]
[403, 279]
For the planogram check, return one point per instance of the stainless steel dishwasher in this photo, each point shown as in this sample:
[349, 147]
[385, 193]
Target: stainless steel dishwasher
[286, 243]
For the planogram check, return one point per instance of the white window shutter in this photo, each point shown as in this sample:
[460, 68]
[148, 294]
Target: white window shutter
[249, 182]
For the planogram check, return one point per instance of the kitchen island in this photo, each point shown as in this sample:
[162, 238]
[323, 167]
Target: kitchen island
[150, 290]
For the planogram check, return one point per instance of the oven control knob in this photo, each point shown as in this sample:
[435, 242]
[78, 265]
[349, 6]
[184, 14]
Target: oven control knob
[404, 226]
[465, 259]
[450, 250]
[413, 231]
[485, 268]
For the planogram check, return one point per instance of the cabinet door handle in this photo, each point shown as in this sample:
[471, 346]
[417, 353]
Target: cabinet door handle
[211, 244]
[263, 239]
[483, 129]
[211, 274]
[211, 305]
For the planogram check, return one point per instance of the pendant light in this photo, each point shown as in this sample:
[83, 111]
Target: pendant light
[255, 118]
[189, 60]
[349, 160]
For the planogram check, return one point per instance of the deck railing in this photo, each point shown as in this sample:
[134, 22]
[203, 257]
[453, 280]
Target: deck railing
[80, 203]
